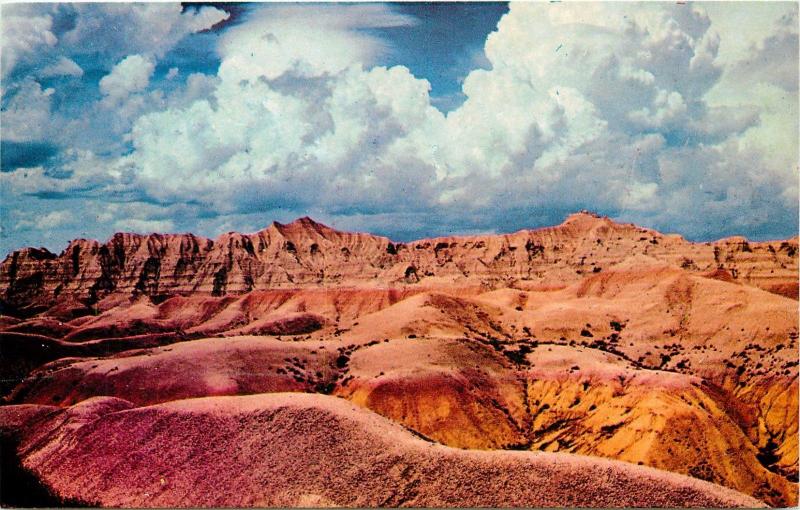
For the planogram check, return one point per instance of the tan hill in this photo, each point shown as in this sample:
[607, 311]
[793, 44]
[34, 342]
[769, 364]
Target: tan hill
[308, 254]
[312, 451]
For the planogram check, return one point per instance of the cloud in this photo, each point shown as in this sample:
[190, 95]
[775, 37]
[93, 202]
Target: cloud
[762, 79]
[627, 109]
[75, 173]
[144, 28]
[35, 33]
[23, 35]
[276, 98]
[307, 41]
[45, 222]
[69, 47]
[131, 74]
[578, 109]
[605, 108]
[144, 226]
[771, 61]
[27, 112]
[62, 67]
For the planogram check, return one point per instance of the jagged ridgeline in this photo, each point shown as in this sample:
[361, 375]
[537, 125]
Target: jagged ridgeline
[305, 253]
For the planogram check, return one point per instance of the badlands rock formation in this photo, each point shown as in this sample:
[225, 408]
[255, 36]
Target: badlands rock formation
[590, 340]
[306, 254]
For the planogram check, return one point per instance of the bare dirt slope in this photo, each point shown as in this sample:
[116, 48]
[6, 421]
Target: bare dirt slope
[312, 450]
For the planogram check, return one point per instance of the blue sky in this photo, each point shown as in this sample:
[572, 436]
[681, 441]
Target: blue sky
[406, 120]
[443, 45]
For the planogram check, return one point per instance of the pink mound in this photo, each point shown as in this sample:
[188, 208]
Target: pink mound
[200, 368]
[313, 450]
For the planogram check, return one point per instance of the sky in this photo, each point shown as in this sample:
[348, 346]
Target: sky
[406, 120]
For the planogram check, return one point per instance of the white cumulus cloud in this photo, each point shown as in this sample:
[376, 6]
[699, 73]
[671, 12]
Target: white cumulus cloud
[27, 112]
[131, 74]
[625, 108]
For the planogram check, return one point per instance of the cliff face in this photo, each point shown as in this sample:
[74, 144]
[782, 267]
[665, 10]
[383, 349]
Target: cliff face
[305, 253]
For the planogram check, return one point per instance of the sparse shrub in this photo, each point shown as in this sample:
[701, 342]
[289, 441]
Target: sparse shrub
[518, 356]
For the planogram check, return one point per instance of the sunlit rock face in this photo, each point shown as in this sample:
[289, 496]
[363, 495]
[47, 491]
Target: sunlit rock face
[308, 254]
